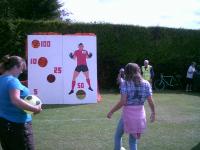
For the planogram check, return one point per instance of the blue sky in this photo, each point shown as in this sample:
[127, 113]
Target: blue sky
[165, 13]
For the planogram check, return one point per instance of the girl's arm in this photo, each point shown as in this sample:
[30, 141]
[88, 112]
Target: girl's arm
[17, 101]
[152, 107]
[117, 106]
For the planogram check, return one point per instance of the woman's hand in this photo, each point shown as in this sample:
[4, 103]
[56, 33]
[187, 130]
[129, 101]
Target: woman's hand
[38, 109]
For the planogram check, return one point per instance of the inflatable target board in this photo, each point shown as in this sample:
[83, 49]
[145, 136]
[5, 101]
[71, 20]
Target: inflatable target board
[62, 69]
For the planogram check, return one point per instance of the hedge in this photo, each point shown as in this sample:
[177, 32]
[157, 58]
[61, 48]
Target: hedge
[169, 50]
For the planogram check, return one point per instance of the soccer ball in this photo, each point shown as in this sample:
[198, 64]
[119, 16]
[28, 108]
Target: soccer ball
[33, 100]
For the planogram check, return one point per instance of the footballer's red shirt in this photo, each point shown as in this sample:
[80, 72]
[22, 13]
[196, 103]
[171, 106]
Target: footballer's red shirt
[81, 56]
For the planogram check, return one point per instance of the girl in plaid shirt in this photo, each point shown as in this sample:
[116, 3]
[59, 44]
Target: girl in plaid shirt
[134, 92]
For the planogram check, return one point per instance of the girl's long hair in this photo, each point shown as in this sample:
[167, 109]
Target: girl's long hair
[133, 73]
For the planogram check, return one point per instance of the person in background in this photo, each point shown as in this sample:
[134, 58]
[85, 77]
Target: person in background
[120, 76]
[147, 72]
[15, 124]
[134, 92]
[189, 77]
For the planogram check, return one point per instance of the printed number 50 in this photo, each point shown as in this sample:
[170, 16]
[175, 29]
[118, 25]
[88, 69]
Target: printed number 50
[80, 85]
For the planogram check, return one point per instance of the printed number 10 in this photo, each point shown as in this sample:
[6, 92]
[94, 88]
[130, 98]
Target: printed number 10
[33, 60]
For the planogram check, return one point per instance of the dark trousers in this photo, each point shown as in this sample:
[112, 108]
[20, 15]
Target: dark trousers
[16, 136]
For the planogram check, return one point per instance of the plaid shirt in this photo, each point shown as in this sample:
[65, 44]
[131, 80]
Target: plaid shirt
[136, 94]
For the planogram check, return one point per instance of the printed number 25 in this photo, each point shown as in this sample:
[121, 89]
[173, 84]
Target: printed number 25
[57, 69]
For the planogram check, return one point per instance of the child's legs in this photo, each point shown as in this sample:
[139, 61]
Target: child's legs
[190, 85]
[118, 134]
[132, 142]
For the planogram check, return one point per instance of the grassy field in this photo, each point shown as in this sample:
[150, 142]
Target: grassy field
[85, 127]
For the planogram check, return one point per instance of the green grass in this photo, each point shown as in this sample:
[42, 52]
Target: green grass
[85, 127]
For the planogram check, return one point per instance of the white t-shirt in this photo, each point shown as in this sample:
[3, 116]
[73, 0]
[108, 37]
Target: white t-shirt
[190, 72]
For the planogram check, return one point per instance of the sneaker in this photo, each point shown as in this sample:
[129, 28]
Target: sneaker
[72, 91]
[90, 89]
[122, 148]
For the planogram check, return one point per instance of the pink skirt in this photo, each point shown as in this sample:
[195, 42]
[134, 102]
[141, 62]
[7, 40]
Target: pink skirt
[134, 118]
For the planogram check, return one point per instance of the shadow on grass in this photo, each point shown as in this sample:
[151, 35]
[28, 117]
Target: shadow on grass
[167, 91]
[194, 93]
[52, 106]
[197, 147]
[177, 92]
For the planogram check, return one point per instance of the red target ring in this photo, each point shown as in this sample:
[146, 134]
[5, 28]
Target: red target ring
[35, 43]
[42, 61]
[51, 78]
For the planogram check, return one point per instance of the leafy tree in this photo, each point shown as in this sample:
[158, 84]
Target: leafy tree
[5, 10]
[30, 9]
